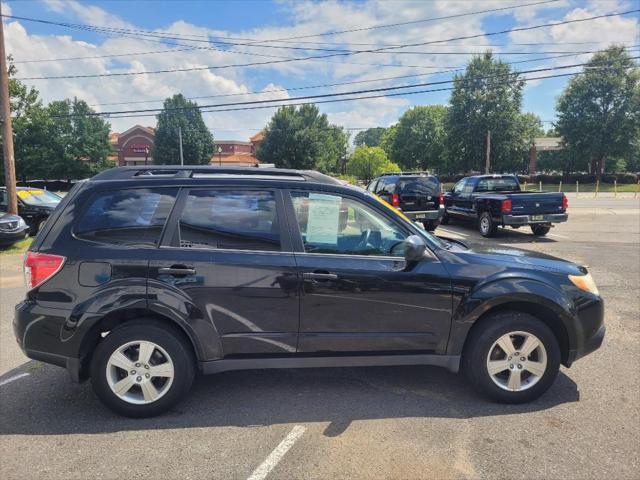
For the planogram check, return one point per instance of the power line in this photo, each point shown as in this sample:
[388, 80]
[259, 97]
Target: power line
[354, 52]
[253, 42]
[342, 94]
[325, 85]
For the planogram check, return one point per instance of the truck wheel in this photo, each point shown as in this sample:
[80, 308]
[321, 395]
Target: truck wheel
[430, 225]
[445, 219]
[141, 369]
[540, 230]
[512, 357]
[486, 226]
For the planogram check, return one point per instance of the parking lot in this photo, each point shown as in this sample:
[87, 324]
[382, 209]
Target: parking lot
[401, 422]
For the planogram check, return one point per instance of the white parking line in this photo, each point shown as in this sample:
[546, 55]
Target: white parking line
[15, 377]
[276, 455]
[557, 235]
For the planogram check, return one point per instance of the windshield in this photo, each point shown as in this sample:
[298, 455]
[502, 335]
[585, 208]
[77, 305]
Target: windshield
[499, 184]
[39, 197]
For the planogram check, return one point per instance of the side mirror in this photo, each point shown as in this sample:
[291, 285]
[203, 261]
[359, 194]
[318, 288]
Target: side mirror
[414, 248]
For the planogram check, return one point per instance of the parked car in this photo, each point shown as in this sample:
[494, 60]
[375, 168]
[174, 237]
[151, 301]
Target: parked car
[494, 201]
[34, 205]
[417, 195]
[12, 229]
[146, 275]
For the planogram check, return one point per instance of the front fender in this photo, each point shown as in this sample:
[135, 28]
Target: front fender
[502, 291]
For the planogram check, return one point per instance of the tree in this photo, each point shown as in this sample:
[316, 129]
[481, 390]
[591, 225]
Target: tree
[599, 111]
[367, 163]
[302, 137]
[487, 97]
[79, 140]
[370, 137]
[419, 139]
[197, 142]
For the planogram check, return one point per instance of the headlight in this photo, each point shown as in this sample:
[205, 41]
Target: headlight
[584, 282]
[21, 223]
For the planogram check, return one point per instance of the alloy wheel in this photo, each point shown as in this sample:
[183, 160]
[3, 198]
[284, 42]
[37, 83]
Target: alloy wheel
[140, 372]
[517, 361]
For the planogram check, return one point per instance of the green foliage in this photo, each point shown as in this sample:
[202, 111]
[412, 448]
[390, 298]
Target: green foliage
[418, 141]
[59, 141]
[370, 137]
[197, 141]
[303, 138]
[367, 163]
[387, 139]
[488, 96]
[599, 111]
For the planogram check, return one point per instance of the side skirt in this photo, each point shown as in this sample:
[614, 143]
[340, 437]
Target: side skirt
[450, 362]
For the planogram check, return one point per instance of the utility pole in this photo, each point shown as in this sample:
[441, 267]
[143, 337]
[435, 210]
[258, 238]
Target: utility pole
[180, 138]
[7, 130]
[487, 161]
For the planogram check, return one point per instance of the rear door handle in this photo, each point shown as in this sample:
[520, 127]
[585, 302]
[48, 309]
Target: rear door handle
[177, 271]
[319, 276]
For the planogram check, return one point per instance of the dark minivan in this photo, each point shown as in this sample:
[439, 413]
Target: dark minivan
[417, 195]
[145, 275]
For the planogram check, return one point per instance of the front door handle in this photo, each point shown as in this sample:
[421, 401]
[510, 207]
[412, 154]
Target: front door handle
[319, 276]
[177, 271]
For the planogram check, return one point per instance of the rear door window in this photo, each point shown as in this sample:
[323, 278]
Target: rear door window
[127, 217]
[230, 220]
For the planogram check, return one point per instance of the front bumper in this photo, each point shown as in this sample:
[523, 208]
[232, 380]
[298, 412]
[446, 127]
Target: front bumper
[422, 215]
[10, 237]
[589, 328]
[534, 219]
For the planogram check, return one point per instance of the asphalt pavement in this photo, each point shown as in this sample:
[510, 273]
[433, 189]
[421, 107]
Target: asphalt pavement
[400, 422]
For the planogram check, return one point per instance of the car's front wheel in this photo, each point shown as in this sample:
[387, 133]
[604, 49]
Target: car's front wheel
[512, 357]
[142, 368]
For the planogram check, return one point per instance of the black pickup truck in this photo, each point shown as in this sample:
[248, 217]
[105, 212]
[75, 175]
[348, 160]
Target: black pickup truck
[496, 200]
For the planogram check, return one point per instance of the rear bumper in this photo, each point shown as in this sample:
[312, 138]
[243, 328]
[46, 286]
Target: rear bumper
[534, 219]
[422, 215]
[38, 334]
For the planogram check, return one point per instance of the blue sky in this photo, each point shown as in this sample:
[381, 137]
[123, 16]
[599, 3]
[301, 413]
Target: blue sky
[268, 20]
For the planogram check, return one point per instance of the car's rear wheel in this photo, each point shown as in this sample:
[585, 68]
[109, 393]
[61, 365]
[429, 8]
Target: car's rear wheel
[445, 218]
[512, 357]
[540, 230]
[430, 225]
[141, 369]
[486, 225]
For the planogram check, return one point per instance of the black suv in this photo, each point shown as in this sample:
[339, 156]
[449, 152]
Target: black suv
[145, 275]
[417, 195]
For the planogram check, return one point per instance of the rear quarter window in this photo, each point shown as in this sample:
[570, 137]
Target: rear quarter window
[126, 217]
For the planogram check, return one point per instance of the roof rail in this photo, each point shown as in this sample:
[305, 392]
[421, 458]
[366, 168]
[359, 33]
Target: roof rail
[211, 171]
[406, 173]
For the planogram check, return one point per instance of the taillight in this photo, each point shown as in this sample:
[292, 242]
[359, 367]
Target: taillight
[441, 199]
[395, 200]
[565, 202]
[506, 206]
[40, 267]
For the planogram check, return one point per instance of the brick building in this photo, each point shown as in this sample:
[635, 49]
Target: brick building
[135, 146]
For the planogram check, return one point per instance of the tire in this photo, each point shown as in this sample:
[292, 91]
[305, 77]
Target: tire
[445, 219]
[430, 225]
[481, 348]
[166, 347]
[486, 225]
[540, 230]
